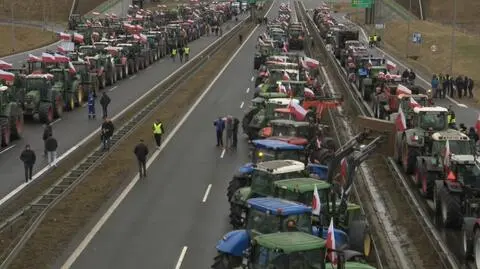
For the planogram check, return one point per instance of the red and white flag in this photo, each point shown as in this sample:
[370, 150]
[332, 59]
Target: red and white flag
[71, 68]
[343, 167]
[285, 47]
[400, 121]
[61, 58]
[330, 244]
[48, 58]
[64, 36]
[402, 89]
[61, 49]
[285, 76]
[308, 93]
[78, 38]
[7, 76]
[33, 58]
[316, 203]
[281, 88]
[5, 65]
[446, 160]
[391, 65]
[413, 104]
[310, 63]
[298, 111]
[477, 124]
[143, 38]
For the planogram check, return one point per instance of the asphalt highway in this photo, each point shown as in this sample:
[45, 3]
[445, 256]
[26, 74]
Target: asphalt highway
[464, 114]
[174, 218]
[74, 125]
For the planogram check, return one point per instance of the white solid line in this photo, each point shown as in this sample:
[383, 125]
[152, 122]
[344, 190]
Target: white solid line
[56, 121]
[132, 77]
[463, 105]
[252, 79]
[205, 196]
[182, 256]
[113, 88]
[222, 154]
[241, 105]
[76, 253]
[8, 148]
[248, 89]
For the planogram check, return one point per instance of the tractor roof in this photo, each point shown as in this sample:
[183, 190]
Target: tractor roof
[450, 134]
[86, 47]
[293, 81]
[290, 242]
[414, 96]
[45, 76]
[464, 159]
[277, 206]
[430, 109]
[302, 184]
[289, 122]
[282, 101]
[275, 145]
[3, 88]
[280, 166]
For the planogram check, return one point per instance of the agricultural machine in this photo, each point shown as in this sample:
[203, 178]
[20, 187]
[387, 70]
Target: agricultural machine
[68, 84]
[41, 99]
[296, 36]
[294, 132]
[11, 116]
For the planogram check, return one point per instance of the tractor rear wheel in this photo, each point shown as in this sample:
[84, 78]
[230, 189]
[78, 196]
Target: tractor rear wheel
[80, 96]
[226, 261]
[71, 102]
[58, 107]
[236, 183]
[236, 216]
[103, 81]
[16, 124]
[45, 113]
[467, 244]
[120, 73]
[5, 133]
[359, 238]
[476, 248]
[114, 75]
[450, 207]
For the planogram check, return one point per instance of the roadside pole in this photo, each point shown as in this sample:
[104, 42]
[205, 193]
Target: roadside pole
[454, 26]
[13, 27]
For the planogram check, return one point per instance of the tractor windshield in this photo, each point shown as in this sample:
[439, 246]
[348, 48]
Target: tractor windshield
[290, 130]
[468, 175]
[461, 147]
[434, 121]
[262, 181]
[36, 84]
[265, 258]
[267, 223]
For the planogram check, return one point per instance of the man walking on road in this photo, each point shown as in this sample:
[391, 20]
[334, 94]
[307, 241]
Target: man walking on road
[107, 133]
[219, 127]
[104, 102]
[28, 158]
[47, 132]
[51, 145]
[158, 132]
[141, 152]
[91, 106]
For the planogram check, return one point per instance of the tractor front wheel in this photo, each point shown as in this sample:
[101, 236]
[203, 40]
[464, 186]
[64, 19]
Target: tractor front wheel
[236, 183]
[226, 261]
[237, 213]
[6, 133]
[450, 207]
[80, 96]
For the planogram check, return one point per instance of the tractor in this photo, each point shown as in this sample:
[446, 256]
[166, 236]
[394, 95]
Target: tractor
[133, 58]
[88, 79]
[158, 43]
[106, 62]
[104, 67]
[69, 85]
[277, 216]
[11, 116]
[41, 99]
[296, 37]
[121, 61]
[295, 132]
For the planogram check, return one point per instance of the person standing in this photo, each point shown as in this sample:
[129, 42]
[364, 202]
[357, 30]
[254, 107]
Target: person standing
[141, 152]
[51, 144]
[28, 158]
[174, 54]
[47, 132]
[470, 87]
[229, 136]
[219, 127]
[434, 84]
[187, 53]
[236, 123]
[104, 102]
[107, 132]
[158, 132]
[460, 86]
[180, 54]
[91, 106]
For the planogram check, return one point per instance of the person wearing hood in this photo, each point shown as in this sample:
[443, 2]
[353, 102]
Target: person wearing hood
[472, 134]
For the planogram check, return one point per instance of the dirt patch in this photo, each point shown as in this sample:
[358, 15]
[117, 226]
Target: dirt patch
[71, 214]
[26, 38]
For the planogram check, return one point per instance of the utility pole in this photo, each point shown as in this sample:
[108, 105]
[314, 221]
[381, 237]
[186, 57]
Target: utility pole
[44, 16]
[407, 44]
[454, 26]
[13, 28]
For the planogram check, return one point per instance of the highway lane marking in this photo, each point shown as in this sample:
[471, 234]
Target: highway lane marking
[112, 89]
[205, 196]
[56, 121]
[83, 245]
[248, 89]
[182, 256]
[132, 77]
[222, 154]
[252, 79]
[8, 148]
[462, 105]
[241, 105]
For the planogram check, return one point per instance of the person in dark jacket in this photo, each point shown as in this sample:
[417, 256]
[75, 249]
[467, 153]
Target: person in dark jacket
[460, 86]
[473, 134]
[181, 52]
[47, 132]
[219, 127]
[107, 133]
[236, 122]
[51, 145]
[470, 87]
[28, 158]
[104, 102]
[91, 105]
[141, 151]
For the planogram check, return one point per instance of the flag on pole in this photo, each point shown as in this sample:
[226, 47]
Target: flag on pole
[298, 111]
[316, 203]
[413, 104]
[5, 65]
[48, 58]
[330, 245]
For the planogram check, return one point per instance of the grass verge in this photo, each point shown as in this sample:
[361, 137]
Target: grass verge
[26, 38]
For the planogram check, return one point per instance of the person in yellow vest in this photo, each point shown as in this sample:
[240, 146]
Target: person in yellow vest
[375, 39]
[158, 132]
[174, 54]
[370, 41]
[187, 52]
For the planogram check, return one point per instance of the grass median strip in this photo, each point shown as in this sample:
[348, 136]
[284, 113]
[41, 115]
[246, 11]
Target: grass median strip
[71, 214]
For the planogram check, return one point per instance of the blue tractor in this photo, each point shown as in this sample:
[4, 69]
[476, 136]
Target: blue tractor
[273, 215]
[269, 150]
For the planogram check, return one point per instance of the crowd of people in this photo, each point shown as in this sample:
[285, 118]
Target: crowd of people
[443, 85]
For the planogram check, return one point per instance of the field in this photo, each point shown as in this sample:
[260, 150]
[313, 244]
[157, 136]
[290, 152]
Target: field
[26, 38]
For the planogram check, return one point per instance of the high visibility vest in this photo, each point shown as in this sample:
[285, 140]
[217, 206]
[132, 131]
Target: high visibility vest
[375, 38]
[174, 52]
[157, 128]
[370, 38]
[187, 50]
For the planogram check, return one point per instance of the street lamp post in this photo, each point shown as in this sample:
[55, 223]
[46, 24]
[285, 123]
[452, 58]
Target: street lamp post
[407, 44]
[13, 28]
[454, 26]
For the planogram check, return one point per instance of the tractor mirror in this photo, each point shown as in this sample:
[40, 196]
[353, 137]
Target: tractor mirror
[380, 127]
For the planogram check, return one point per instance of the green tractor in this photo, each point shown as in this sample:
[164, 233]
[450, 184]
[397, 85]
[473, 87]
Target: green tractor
[133, 58]
[40, 98]
[369, 83]
[107, 62]
[121, 61]
[69, 85]
[158, 43]
[143, 52]
[11, 116]
[88, 79]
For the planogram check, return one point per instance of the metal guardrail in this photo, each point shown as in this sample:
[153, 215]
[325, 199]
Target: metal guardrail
[37, 210]
[422, 217]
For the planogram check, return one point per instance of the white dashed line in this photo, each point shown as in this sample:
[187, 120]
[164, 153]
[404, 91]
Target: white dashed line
[56, 121]
[241, 105]
[205, 196]
[132, 77]
[222, 154]
[182, 256]
[112, 89]
[248, 89]
[252, 79]
[7, 149]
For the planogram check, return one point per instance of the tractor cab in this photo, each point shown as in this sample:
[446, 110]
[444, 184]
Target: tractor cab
[87, 50]
[269, 150]
[295, 132]
[407, 105]
[429, 119]
[100, 46]
[264, 50]
[38, 87]
[301, 189]
[281, 74]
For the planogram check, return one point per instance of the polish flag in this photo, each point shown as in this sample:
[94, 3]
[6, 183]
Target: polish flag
[143, 38]
[281, 88]
[311, 63]
[285, 76]
[71, 68]
[298, 111]
[391, 65]
[48, 58]
[139, 17]
[413, 104]
[138, 28]
[5, 65]
[64, 36]
[285, 47]
[260, 41]
[33, 58]
[402, 89]
[78, 38]
[61, 58]
[477, 124]
[61, 49]
[319, 143]
[400, 121]
[7, 76]
[308, 93]
[330, 245]
[343, 167]
[316, 203]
